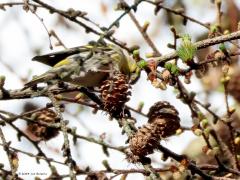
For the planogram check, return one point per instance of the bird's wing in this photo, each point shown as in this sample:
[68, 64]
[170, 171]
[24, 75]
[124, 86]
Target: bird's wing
[39, 79]
[52, 59]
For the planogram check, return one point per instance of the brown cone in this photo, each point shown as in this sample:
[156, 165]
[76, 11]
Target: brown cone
[43, 132]
[114, 93]
[145, 140]
[164, 115]
[163, 122]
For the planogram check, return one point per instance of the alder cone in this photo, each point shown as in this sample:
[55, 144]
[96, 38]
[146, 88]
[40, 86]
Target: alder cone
[165, 116]
[43, 132]
[114, 93]
[163, 122]
[234, 86]
[145, 140]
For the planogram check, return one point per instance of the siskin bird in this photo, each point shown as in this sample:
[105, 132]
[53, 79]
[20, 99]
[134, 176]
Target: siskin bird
[86, 65]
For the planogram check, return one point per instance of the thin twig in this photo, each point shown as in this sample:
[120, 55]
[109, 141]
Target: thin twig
[75, 20]
[143, 33]
[9, 154]
[34, 156]
[66, 147]
[229, 125]
[200, 45]
[179, 13]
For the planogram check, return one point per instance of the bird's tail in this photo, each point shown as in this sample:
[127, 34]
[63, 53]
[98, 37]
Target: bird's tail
[40, 79]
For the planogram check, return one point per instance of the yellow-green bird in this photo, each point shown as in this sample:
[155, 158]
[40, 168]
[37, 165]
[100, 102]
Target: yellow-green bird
[86, 65]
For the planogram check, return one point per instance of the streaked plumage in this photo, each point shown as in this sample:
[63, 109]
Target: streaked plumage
[85, 65]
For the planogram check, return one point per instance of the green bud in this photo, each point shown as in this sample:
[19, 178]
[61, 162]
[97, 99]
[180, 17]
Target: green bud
[200, 115]
[210, 152]
[222, 47]
[158, 84]
[187, 49]
[226, 32]
[214, 28]
[175, 91]
[34, 116]
[140, 106]
[79, 96]
[59, 96]
[204, 123]
[186, 37]
[237, 140]
[180, 10]
[216, 150]
[218, 3]
[149, 55]
[145, 26]
[74, 130]
[53, 168]
[225, 69]
[2, 81]
[207, 131]
[225, 79]
[231, 110]
[174, 69]
[142, 64]
[162, 86]
[2, 78]
[198, 132]
[168, 66]
[178, 95]
[106, 165]
[136, 52]
[179, 131]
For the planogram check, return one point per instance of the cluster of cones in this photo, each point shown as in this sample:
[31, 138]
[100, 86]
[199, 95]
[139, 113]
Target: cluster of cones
[163, 122]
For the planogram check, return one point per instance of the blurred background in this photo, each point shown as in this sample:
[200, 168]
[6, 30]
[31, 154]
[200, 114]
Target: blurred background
[23, 36]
